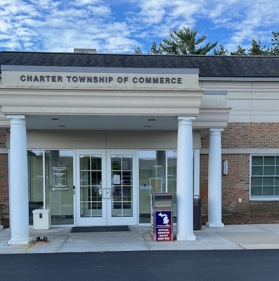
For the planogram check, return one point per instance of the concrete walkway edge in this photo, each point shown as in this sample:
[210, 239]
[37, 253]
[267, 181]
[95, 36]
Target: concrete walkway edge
[61, 240]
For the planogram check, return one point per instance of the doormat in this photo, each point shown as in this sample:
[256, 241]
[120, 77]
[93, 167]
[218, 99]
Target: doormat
[80, 229]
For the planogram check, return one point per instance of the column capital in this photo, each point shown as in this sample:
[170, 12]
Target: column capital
[185, 120]
[16, 117]
[17, 120]
[216, 131]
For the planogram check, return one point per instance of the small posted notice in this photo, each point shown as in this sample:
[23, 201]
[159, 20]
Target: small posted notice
[59, 178]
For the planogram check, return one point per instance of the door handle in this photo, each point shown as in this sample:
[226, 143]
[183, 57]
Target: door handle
[106, 193]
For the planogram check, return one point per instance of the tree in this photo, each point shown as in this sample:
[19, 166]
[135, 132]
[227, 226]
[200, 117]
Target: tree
[221, 52]
[257, 49]
[239, 52]
[138, 51]
[156, 50]
[275, 44]
[182, 42]
[185, 42]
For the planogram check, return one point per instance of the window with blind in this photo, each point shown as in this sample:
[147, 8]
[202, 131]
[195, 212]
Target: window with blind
[264, 177]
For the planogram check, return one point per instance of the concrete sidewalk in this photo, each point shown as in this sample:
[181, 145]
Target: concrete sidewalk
[60, 240]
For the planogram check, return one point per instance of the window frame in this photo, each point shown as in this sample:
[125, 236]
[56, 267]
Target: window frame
[274, 176]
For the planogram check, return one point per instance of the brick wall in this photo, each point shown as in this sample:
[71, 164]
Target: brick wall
[3, 140]
[251, 135]
[4, 187]
[236, 206]
[4, 193]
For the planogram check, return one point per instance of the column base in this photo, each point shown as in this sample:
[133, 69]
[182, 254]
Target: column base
[19, 241]
[185, 237]
[215, 224]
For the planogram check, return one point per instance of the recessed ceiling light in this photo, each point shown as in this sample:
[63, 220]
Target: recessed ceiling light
[151, 119]
[54, 119]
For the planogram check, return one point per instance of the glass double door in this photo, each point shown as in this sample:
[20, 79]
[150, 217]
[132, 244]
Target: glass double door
[105, 189]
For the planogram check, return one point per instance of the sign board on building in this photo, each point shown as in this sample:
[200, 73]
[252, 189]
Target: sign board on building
[94, 78]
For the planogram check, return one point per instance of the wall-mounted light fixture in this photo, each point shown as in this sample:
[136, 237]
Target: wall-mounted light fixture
[225, 167]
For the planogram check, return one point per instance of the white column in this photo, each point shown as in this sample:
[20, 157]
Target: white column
[19, 215]
[215, 179]
[196, 172]
[185, 180]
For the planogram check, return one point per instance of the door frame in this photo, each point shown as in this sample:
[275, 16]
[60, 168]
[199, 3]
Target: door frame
[106, 218]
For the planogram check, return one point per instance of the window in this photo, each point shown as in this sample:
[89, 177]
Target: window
[157, 173]
[265, 177]
[59, 185]
[35, 181]
[50, 184]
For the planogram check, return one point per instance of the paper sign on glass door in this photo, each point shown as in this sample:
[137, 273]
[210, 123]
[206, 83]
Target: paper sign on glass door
[116, 179]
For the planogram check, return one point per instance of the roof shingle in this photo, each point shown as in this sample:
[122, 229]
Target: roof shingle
[209, 66]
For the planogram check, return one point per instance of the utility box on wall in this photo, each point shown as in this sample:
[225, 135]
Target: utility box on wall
[161, 217]
[41, 219]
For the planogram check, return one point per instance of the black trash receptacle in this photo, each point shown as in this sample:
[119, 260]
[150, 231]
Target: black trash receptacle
[197, 214]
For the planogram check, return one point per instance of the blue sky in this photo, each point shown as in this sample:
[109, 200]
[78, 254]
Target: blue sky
[120, 26]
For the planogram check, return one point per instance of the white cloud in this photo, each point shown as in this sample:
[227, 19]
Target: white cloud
[123, 25]
[46, 4]
[152, 11]
[245, 20]
[86, 2]
[118, 44]
[100, 10]
[184, 9]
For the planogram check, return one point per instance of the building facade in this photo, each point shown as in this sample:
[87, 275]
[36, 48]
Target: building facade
[90, 137]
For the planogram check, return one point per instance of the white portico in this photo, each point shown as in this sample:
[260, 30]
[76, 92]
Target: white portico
[110, 104]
